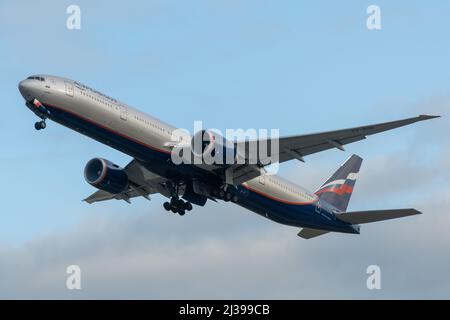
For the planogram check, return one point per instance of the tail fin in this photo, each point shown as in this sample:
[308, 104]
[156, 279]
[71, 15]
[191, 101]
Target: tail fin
[338, 189]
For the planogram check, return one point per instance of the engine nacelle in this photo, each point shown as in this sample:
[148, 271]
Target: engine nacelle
[105, 175]
[209, 147]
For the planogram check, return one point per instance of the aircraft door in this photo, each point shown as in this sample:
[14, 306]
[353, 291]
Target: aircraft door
[262, 179]
[318, 207]
[123, 112]
[69, 88]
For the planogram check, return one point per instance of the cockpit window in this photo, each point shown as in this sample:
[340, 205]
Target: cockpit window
[36, 78]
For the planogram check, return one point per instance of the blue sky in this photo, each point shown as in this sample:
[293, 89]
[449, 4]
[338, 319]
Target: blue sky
[300, 66]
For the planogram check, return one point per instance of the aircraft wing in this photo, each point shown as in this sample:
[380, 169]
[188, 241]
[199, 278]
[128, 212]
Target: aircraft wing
[142, 183]
[296, 147]
[246, 172]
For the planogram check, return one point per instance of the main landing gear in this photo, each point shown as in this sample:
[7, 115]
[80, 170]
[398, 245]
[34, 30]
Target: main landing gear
[177, 205]
[227, 193]
[40, 125]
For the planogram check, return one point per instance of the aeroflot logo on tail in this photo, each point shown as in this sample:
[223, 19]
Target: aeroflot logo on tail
[340, 186]
[236, 146]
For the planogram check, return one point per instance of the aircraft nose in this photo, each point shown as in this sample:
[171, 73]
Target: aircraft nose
[25, 89]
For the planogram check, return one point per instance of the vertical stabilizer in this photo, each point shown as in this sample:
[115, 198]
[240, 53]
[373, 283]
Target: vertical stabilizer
[338, 189]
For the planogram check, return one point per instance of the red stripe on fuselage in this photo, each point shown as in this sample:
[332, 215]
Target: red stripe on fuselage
[109, 129]
[338, 190]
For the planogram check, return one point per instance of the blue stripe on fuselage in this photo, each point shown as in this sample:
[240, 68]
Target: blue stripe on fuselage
[310, 215]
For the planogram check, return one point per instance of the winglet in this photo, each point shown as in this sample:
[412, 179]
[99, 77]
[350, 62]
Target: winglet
[427, 117]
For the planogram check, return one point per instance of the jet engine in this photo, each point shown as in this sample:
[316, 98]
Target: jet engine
[209, 147]
[105, 175]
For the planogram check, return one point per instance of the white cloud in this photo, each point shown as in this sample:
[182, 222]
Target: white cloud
[221, 253]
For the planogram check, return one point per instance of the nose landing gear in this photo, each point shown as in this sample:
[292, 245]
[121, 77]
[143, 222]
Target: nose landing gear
[41, 111]
[177, 205]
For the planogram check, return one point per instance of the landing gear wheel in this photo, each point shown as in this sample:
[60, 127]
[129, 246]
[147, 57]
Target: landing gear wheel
[173, 204]
[234, 198]
[180, 204]
[228, 196]
[166, 206]
[177, 205]
[40, 125]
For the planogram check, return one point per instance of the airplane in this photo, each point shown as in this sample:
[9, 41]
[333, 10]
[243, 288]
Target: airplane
[150, 143]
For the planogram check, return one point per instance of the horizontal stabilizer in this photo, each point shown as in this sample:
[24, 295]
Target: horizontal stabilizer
[308, 233]
[359, 217]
